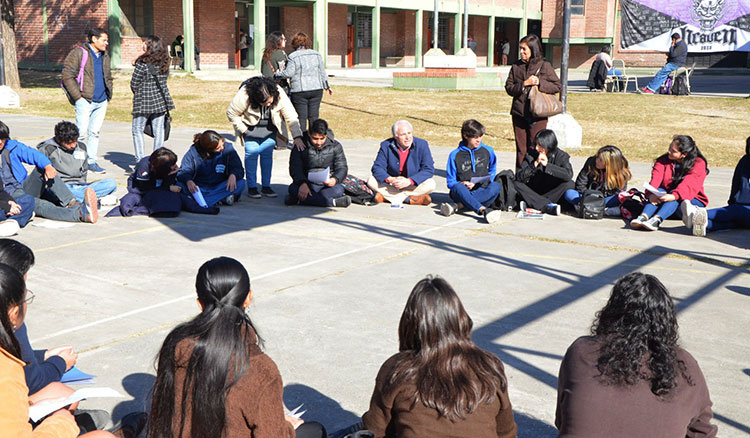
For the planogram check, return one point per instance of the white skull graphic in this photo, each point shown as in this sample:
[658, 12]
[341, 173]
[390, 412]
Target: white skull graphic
[708, 12]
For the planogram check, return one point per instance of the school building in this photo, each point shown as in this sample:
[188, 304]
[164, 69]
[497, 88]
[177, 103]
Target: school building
[351, 33]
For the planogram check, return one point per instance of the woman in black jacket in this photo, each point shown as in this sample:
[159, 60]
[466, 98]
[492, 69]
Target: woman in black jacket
[525, 73]
[545, 174]
[608, 172]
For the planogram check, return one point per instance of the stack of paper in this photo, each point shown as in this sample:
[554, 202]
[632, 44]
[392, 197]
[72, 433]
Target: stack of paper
[41, 410]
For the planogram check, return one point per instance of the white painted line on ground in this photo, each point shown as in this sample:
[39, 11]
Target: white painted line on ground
[259, 277]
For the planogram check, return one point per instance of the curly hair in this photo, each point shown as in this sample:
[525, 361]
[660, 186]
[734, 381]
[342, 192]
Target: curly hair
[156, 54]
[259, 89]
[66, 132]
[638, 326]
[301, 39]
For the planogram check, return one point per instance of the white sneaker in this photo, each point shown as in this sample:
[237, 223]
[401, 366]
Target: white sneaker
[688, 210]
[110, 199]
[522, 206]
[637, 223]
[448, 208]
[492, 216]
[8, 228]
[651, 224]
[700, 222]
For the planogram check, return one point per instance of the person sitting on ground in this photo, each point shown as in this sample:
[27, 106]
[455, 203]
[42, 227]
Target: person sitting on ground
[52, 197]
[679, 175]
[630, 378]
[439, 383]
[545, 175]
[321, 152]
[608, 172]
[212, 378]
[153, 189]
[676, 58]
[15, 213]
[470, 175]
[403, 169]
[212, 166]
[735, 215]
[69, 158]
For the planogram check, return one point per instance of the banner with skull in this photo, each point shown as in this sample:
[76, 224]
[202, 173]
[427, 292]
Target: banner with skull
[705, 25]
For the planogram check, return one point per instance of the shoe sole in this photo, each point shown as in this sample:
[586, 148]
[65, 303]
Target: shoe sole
[648, 227]
[258, 196]
[446, 210]
[700, 220]
[90, 199]
[270, 195]
[493, 216]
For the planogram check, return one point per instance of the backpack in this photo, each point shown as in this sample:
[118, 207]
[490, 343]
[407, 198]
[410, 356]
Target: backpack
[79, 78]
[680, 88]
[358, 190]
[506, 199]
[666, 87]
[591, 205]
[632, 203]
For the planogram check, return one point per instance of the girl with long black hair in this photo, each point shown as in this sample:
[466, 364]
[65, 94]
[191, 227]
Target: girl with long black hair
[212, 378]
[630, 378]
[439, 383]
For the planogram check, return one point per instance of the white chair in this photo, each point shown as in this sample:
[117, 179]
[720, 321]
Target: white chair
[619, 64]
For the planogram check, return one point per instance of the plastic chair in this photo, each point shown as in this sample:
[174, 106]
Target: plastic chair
[619, 64]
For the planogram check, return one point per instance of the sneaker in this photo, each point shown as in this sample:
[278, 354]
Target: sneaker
[90, 420]
[379, 198]
[448, 208]
[89, 212]
[637, 223]
[552, 208]
[700, 222]
[522, 206]
[253, 193]
[420, 200]
[688, 210]
[342, 201]
[491, 215]
[646, 90]
[8, 228]
[229, 200]
[652, 224]
[107, 200]
[93, 167]
[266, 191]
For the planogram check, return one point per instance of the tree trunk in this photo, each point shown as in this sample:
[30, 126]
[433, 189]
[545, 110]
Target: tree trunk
[9, 44]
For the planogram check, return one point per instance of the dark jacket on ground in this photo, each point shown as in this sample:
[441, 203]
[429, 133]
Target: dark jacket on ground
[587, 407]
[588, 181]
[740, 192]
[393, 415]
[597, 75]
[39, 372]
[419, 163]
[72, 165]
[678, 53]
[520, 71]
[142, 180]
[150, 91]
[558, 170]
[212, 170]
[71, 67]
[330, 155]
[465, 163]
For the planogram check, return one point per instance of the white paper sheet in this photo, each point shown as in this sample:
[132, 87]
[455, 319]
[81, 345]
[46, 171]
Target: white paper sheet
[649, 188]
[52, 225]
[295, 412]
[479, 179]
[319, 176]
[40, 410]
[198, 196]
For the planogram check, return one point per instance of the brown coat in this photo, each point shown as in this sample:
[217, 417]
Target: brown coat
[392, 415]
[72, 66]
[586, 407]
[254, 406]
[520, 71]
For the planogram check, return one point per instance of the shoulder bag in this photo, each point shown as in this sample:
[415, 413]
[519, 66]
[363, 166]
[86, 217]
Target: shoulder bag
[543, 105]
[149, 129]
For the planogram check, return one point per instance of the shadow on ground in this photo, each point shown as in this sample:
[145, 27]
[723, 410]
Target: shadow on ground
[319, 407]
[138, 386]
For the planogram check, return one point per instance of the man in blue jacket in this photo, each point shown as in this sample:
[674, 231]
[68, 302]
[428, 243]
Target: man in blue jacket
[52, 197]
[403, 170]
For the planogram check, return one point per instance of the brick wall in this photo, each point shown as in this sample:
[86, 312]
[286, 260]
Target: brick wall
[215, 25]
[300, 19]
[337, 34]
[168, 21]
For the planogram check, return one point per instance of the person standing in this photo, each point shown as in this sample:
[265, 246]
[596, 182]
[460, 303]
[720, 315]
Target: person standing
[531, 70]
[151, 98]
[94, 93]
[243, 44]
[505, 48]
[274, 59]
[676, 58]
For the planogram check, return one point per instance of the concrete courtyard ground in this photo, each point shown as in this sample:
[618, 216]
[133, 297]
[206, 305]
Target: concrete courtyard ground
[330, 285]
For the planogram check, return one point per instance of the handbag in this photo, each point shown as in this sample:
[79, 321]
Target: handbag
[149, 129]
[543, 105]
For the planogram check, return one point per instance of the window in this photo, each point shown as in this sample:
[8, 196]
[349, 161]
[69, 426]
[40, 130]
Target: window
[576, 7]
[364, 30]
[443, 37]
[137, 17]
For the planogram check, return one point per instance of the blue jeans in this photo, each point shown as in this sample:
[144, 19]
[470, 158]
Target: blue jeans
[667, 209]
[103, 187]
[89, 120]
[731, 216]
[214, 194]
[661, 76]
[477, 198]
[322, 198]
[574, 198]
[27, 209]
[139, 123]
[253, 148]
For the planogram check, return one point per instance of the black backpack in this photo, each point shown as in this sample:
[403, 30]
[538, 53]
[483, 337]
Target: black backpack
[506, 199]
[591, 205]
[679, 87]
[358, 190]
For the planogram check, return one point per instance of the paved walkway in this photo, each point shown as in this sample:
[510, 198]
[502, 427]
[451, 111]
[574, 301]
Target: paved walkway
[330, 285]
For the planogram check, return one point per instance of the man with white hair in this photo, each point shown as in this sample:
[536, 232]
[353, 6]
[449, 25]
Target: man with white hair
[403, 170]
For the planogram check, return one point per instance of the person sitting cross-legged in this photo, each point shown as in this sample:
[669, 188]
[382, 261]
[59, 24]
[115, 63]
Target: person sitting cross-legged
[545, 175]
[15, 213]
[52, 197]
[321, 153]
[470, 174]
[69, 157]
[403, 170]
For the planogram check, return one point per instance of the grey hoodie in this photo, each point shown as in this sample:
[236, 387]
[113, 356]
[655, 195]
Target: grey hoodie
[72, 165]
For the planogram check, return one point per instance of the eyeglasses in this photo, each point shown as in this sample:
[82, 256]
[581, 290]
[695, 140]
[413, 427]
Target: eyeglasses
[29, 297]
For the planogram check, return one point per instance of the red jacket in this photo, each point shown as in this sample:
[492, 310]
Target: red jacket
[691, 186]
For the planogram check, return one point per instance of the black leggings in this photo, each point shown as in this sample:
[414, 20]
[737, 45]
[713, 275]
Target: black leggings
[539, 196]
[307, 105]
[311, 430]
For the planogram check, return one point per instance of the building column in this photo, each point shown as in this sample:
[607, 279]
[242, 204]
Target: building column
[457, 21]
[376, 36]
[523, 27]
[114, 29]
[491, 42]
[418, 39]
[259, 32]
[188, 35]
[320, 34]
